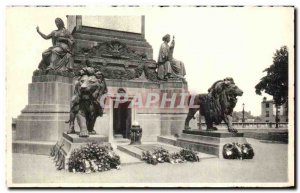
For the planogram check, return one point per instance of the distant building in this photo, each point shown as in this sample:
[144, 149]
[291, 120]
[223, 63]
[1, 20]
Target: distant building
[268, 111]
[237, 116]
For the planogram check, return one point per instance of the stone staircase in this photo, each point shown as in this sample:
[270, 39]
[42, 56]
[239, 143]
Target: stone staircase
[206, 142]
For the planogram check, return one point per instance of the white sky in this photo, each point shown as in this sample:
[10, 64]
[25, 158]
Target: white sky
[214, 43]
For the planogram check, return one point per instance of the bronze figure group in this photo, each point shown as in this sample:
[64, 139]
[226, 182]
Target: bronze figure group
[216, 106]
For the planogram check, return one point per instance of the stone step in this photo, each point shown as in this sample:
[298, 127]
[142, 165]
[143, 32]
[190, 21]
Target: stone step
[130, 150]
[74, 138]
[203, 141]
[137, 150]
[218, 133]
[121, 140]
[200, 138]
[32, 147]
[118, 136]
[127, 159]
[197, 146]
[200, 142]
[167, 140]
[201, 147]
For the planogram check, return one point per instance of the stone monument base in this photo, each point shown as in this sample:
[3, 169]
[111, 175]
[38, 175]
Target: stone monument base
[68, 142]
[43, 120]
[210, 142]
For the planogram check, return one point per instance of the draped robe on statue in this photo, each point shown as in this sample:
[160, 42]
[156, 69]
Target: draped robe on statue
[61, 51]
[167, 65]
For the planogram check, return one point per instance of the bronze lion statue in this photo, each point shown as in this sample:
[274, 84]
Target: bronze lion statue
[85, 103]
[217, 105]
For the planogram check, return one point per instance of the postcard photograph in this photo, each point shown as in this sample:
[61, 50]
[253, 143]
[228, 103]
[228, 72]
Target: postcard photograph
[150, 96]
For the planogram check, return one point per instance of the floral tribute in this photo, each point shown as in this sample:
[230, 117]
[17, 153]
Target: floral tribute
[162, 155]
[238, 151]
[93, 158]
[189, 155]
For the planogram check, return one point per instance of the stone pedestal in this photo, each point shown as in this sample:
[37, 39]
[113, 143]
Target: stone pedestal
[42, 121]
[210, 142]
[68, 142]
[135, 135]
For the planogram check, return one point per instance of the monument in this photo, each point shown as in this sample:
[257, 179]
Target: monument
[117, 49]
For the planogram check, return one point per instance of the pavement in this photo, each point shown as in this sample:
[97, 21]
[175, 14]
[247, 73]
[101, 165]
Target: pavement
[268, 165]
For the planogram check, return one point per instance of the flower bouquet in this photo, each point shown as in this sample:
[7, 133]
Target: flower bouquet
[162, 155]
[238, 151]
[149, 158]
[93, 158]
[189, 155]
[176, 158]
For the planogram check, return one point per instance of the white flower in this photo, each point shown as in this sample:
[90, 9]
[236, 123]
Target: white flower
[118, 167]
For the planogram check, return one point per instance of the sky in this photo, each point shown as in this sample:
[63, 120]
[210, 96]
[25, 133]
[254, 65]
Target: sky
[213, 43]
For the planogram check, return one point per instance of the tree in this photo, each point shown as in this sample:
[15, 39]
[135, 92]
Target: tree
[275, 83]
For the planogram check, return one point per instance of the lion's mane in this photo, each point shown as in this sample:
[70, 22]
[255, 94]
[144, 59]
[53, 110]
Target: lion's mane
[219, 102]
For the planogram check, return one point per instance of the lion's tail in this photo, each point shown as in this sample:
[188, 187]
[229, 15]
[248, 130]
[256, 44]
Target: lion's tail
[189, 102]
[189, 99]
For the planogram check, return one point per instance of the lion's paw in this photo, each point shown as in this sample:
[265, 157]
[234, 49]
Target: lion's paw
[212, 129]
[71, 131]
[84, 133]
[93, 132]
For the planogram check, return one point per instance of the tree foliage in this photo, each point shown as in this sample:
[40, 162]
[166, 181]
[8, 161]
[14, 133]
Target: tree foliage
[275, 83]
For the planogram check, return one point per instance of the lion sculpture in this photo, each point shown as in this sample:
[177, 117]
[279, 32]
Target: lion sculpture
[85, 103]
[217, 105]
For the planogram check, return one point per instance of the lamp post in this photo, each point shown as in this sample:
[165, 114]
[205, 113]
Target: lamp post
[243, 119]
[276, 116]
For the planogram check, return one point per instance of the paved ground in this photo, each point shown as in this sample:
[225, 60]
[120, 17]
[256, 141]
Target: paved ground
[268, 165]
